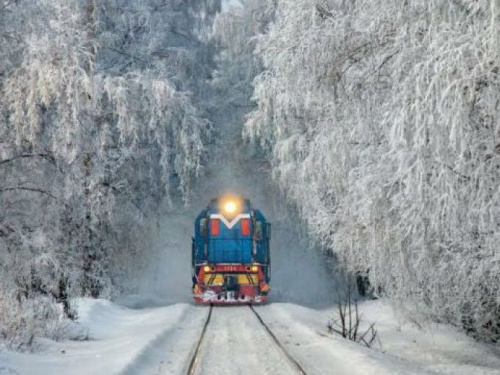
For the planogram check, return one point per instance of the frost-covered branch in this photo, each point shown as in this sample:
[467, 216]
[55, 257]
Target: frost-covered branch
[380, 120]
[125, 132]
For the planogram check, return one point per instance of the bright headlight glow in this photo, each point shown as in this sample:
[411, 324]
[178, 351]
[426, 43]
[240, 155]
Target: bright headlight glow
[206, 269]
[230, 207]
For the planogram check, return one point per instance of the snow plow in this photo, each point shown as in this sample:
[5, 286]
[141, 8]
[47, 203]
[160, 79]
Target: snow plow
[231, 261]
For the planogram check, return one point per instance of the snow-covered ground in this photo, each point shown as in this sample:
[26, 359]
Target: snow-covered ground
[122, 341]
[404, 348]
[161, 340]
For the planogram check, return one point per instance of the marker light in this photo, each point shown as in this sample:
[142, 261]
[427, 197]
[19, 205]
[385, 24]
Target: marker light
[206, 269]
[230, 207]
[245, 227]
[214, 227]
[255, 269]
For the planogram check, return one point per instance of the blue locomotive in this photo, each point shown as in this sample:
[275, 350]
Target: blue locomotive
[231, 261]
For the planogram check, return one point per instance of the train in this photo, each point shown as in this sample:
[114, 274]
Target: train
[231, 259]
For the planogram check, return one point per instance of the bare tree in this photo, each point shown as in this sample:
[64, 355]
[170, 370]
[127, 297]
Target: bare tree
[347, 320]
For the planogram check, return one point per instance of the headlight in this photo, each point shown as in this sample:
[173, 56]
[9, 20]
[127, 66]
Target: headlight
[255, 269]
[206, 269]
[230, 207]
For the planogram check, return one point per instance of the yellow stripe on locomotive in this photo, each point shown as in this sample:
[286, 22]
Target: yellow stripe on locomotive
[242, 279]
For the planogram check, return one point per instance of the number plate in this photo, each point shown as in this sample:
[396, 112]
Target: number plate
[228, 268]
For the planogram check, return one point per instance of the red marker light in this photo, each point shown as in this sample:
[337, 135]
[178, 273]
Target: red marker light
[245, 227]
[214, 227]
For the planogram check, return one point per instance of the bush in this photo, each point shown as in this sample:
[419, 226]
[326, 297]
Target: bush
[23, 319]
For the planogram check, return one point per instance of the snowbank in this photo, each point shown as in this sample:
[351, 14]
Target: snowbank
[119, 337]
[160, 340]
[405, 348]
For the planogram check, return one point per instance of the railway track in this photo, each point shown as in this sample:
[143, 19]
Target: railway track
[196, 358]
[285, 352]
[193, 364]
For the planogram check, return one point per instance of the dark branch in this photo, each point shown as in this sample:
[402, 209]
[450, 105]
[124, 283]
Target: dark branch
[35, 190]
[46, 156]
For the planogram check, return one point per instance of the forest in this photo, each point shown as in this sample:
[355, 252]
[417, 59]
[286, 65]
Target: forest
[378, 122]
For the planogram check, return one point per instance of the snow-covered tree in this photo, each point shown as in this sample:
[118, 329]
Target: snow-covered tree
[379, 119]
[235, 30]
[99, 135]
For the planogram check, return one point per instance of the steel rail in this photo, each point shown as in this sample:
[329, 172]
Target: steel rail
[193, 363]
[290, 358]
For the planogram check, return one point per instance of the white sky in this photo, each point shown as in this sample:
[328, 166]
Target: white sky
[228, 4]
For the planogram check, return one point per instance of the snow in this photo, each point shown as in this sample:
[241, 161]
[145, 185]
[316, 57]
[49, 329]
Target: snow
[237, 344]
[160, 340]
[440, 347]
[404, 347]
[122, 341]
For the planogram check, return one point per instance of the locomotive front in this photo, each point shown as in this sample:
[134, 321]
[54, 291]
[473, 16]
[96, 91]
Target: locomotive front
[231, 261]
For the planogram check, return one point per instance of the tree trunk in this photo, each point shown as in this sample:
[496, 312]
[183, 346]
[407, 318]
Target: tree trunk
[91, 286]
[495, 47]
